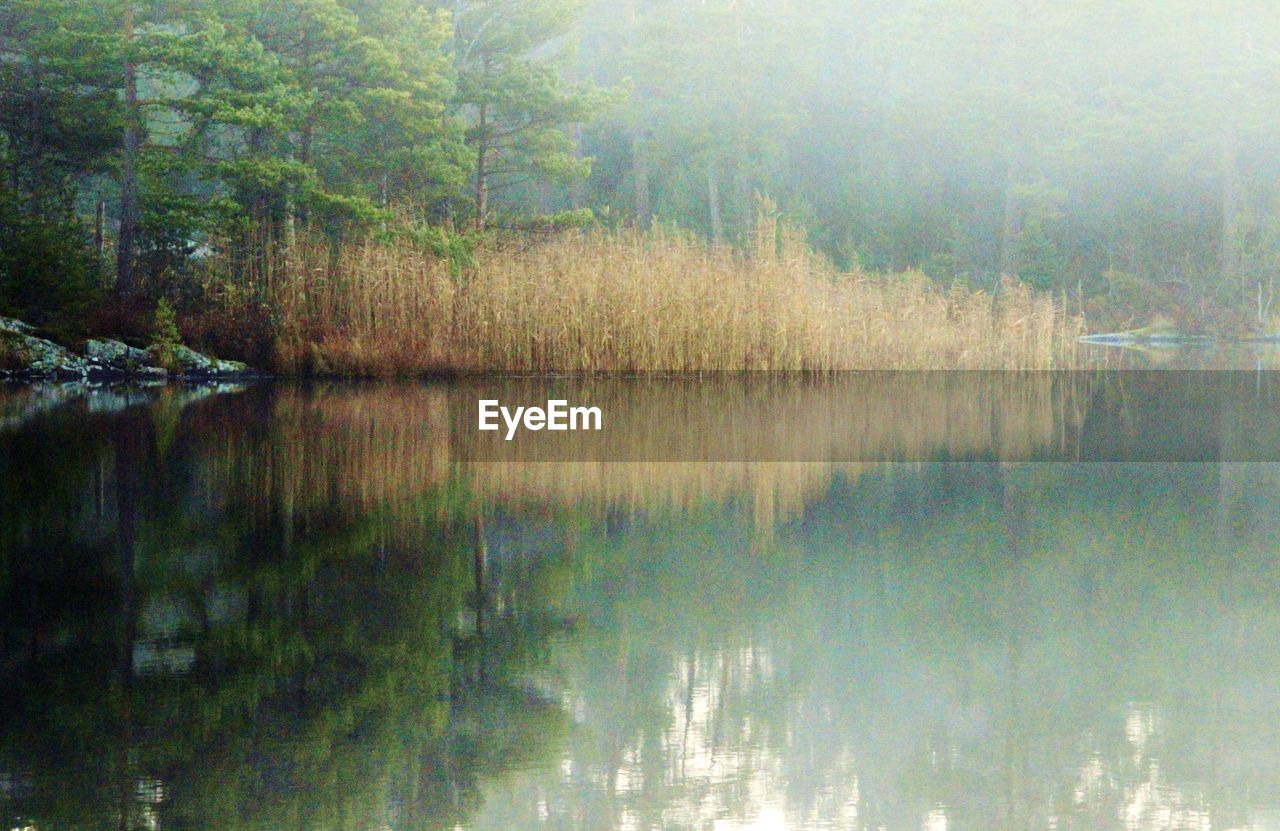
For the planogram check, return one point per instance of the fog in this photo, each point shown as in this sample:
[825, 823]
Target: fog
[1117, 150]
[1116, 154]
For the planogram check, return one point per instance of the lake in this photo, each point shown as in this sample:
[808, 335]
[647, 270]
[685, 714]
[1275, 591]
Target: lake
[925, 601]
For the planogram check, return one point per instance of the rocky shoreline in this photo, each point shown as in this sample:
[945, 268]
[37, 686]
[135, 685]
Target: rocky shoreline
[24, 356]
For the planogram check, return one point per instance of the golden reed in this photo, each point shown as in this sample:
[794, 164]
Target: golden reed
[630, 301]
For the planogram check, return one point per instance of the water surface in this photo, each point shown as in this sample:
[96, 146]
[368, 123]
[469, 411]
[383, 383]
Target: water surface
[977, 601]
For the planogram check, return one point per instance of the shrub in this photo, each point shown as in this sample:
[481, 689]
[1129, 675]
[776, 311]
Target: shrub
[165, 335]
[49, 274]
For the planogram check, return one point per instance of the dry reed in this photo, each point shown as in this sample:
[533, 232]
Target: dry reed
[638, 301]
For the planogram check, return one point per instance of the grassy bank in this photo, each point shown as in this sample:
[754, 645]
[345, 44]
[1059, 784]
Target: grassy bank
[628, 301]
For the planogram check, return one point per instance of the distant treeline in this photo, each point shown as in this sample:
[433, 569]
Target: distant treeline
[1122, 152]
[1120, 155]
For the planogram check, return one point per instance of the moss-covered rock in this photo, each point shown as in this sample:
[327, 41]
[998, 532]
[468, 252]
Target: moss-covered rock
[186, 361]
[115, 354]
[23, 355]
[26, 354]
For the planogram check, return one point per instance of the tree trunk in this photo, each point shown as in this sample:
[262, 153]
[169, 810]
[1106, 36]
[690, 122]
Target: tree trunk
[482, 172]
[713, 203]
[640, 176]
[1011, 231]
[262, 236]
[99, 210]
[383, 198]
[480, 566]
[126, 280]
[128, 446]
[305, 155]
[1229, 251]
[746, 207]
[35, 134]
[639, 140]
[577, 188]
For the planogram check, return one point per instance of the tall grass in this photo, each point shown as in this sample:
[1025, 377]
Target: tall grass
[638, 301]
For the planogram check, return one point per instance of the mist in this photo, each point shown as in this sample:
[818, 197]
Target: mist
[1120, 151]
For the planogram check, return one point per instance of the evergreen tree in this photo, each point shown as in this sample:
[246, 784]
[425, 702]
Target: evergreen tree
[512, 90]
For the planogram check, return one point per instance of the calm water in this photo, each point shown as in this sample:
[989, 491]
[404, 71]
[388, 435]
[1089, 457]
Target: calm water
[761, 604]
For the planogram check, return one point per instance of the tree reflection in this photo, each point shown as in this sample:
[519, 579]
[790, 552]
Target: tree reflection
[940, 646]
[249, 655]
[293, 608]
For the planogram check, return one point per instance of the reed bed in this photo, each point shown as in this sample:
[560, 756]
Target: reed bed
[767, 446]
[628, 301]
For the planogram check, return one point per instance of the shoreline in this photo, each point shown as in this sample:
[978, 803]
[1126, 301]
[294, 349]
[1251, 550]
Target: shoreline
[27, 356]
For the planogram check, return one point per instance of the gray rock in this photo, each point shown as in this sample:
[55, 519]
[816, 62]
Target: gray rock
[26, 355]
[117, 355]
[151, 373]
[190, 362]
[8, 324]
[225, 367]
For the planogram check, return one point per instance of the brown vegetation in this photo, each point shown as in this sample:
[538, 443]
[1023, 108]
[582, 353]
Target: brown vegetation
[622, 301]
[767, 446]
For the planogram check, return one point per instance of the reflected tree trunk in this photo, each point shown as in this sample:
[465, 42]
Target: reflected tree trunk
[480, 565]
[128, 446]
[1015, 526]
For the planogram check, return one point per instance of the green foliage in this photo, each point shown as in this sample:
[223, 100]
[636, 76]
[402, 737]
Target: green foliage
[255, 115]
[964, 140]
[515, 96]
[165, 334]
[560, 220]
[1050, 142]
[59, 115]
[49, 274]
[11, 351]
[457, 249]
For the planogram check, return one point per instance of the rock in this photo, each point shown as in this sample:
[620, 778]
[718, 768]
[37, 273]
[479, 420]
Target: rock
[25, 355]
[8, 324]
[225, 367]
[117, 355]
[189, 362]
[111, 357]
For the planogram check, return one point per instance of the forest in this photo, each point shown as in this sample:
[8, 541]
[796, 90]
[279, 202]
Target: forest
[398, 186]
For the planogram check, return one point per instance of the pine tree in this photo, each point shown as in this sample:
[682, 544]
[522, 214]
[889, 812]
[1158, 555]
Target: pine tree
[512, 89]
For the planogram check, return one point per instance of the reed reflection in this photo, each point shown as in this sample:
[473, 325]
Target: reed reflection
[334, 606]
